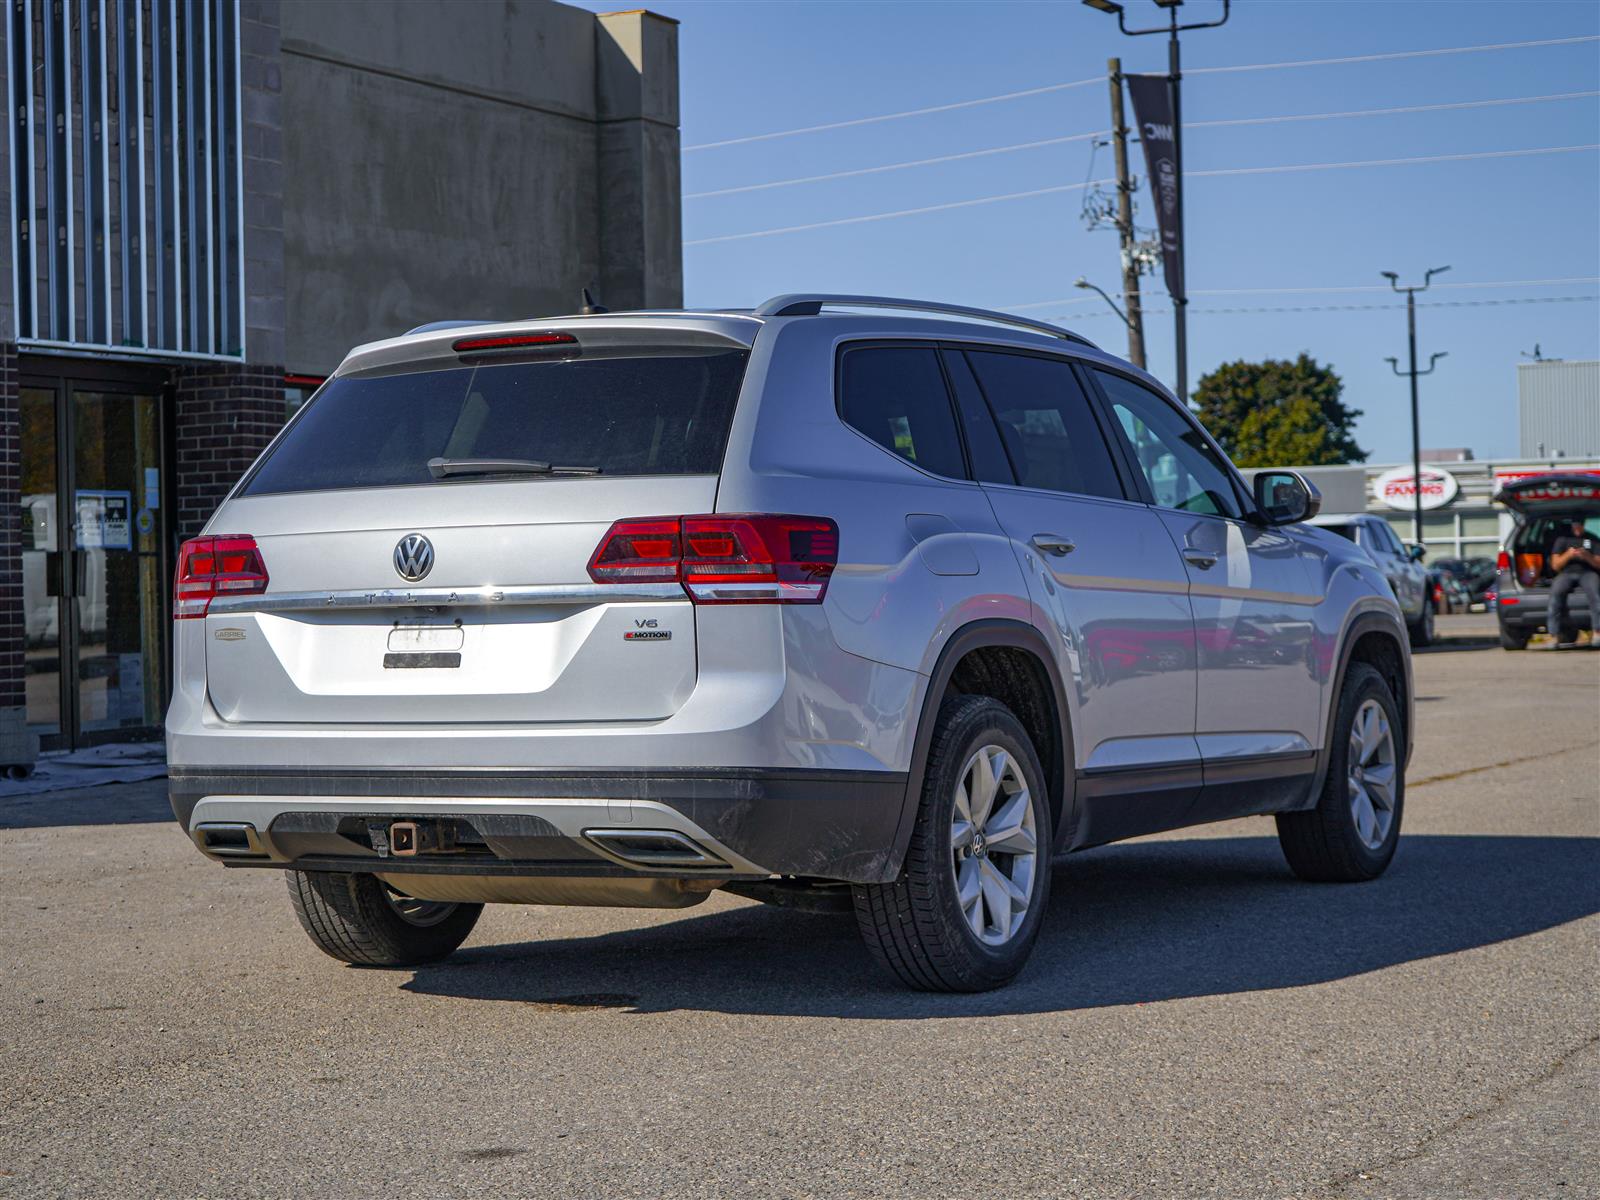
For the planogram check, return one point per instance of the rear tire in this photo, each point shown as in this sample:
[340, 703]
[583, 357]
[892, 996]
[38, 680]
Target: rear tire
[358, 920]
[1351, 835]
[1513, 639]
[1421, 633]
[965, 912]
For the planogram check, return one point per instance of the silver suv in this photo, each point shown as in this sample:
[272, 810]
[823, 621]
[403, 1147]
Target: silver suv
[839, 602]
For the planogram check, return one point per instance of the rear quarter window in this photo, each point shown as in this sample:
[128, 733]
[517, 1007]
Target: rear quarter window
[622, 415]
[896, 395]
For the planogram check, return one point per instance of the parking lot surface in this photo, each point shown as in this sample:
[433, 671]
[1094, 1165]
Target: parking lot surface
[1194, 1022]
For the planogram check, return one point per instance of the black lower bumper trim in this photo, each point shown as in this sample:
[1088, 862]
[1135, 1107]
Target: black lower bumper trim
[825, 824]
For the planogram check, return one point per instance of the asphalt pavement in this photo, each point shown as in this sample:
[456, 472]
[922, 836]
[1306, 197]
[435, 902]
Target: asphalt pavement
[1194, 1022]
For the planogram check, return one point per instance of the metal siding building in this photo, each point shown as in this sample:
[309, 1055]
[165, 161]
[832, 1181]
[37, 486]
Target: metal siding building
[208, 202]
[1558, 408]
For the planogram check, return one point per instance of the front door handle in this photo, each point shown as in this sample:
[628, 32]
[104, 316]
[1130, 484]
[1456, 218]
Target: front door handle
[1052, 543]
[1199, 558]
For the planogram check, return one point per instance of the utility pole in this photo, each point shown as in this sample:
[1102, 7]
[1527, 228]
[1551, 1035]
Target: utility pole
[1416, 426]
[1177, 283]
[1130, 262]
[1180, 300]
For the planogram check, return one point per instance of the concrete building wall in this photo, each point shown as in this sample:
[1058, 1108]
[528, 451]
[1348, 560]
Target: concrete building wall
[472, 160]
[1558, 408]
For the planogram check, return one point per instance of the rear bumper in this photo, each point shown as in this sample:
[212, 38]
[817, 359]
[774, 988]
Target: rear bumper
[1531, 610]
[837, 825]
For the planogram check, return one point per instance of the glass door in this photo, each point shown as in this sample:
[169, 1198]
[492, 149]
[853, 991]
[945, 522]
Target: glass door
[93, 560]
[43, 550]
[119, 617]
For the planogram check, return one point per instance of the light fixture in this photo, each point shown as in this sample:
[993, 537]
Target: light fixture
[1105, 6]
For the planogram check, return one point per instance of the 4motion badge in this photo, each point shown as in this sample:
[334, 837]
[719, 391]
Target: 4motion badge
[645, 631]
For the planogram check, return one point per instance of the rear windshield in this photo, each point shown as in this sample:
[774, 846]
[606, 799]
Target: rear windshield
[640, 415]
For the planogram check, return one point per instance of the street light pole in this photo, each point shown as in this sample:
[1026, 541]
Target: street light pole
[1411, 291]
[1127, 317]
[1180, 295]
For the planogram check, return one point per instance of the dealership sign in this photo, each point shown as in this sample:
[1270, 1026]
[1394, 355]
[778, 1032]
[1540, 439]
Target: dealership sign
[1582, 486]
[1397, 488]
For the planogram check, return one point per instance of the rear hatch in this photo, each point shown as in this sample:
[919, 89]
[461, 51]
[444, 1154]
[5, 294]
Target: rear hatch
[1545, 505]
[426, 531]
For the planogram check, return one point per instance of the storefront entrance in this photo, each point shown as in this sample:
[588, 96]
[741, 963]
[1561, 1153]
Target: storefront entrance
[94, 551]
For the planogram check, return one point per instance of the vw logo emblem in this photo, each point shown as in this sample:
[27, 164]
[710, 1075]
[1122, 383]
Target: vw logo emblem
[413, 557]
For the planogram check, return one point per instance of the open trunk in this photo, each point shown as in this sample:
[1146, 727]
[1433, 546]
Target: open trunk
[1545, 505]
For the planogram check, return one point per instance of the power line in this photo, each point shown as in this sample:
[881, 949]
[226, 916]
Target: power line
[900, 166]
[1075, 187]
[904, 212]
[1385, 112]
[1077, 83]
[1394, 162]
[1366, 58]
[1308, 308]
[895, 116]
[1099, 133]
[1308, 291]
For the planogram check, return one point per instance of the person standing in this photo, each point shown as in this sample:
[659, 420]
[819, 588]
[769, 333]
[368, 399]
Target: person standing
[1575, 557]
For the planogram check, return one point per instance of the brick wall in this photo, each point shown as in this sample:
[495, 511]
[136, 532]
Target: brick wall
[225, 417]
[11, 622]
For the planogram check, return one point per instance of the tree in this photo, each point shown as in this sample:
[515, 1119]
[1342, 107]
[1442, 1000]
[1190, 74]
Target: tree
[1279, 413]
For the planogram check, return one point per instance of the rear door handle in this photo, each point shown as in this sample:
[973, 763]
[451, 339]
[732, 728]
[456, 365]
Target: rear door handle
[1199, 558]
[1052, 543]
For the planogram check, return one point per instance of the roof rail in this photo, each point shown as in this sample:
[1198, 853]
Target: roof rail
[435, 326]
[809, 305]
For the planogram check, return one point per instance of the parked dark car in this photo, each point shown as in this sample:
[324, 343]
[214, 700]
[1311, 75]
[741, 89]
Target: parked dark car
[1476, 575]
[1543, 507]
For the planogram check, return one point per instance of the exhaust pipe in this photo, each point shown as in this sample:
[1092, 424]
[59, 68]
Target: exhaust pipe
[652, 848]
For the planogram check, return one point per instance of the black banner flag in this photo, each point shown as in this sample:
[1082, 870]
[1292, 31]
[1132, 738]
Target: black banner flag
[1152, 111]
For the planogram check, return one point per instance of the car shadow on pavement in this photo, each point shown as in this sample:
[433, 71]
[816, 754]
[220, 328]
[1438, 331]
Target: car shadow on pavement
[1128, 924]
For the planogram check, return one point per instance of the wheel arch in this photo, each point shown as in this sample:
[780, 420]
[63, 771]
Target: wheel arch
[1375, 638]
[982, 658]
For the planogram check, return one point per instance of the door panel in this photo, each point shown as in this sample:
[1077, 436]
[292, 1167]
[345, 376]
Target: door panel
[1117, 610]
[1253, 601]
[1253, 594]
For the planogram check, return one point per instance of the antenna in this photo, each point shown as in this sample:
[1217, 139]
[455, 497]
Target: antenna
[591, 306]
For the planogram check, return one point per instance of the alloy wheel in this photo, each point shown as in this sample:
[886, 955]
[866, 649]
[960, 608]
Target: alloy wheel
[994, 845]
[420, 913]
[1371, 772]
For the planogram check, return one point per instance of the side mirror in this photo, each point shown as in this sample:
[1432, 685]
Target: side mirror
[1417, 553]
[1284, 497]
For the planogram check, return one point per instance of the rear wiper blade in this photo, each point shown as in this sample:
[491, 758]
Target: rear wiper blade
[444, 468]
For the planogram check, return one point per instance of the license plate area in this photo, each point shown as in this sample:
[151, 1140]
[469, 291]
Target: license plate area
[414, 660]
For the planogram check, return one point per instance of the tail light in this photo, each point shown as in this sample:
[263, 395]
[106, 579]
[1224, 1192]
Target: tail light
[208, 567]
[1502, 561]
[733, 558]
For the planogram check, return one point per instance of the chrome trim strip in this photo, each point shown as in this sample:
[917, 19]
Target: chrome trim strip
[444, 597]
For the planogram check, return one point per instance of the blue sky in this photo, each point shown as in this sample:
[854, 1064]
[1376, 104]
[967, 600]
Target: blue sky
[753, 68]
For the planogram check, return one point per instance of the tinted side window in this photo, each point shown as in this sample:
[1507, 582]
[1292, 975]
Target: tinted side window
[896, 396]
[1384, 537]
[989, 461]
[1046, 424]
[1182, 469]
